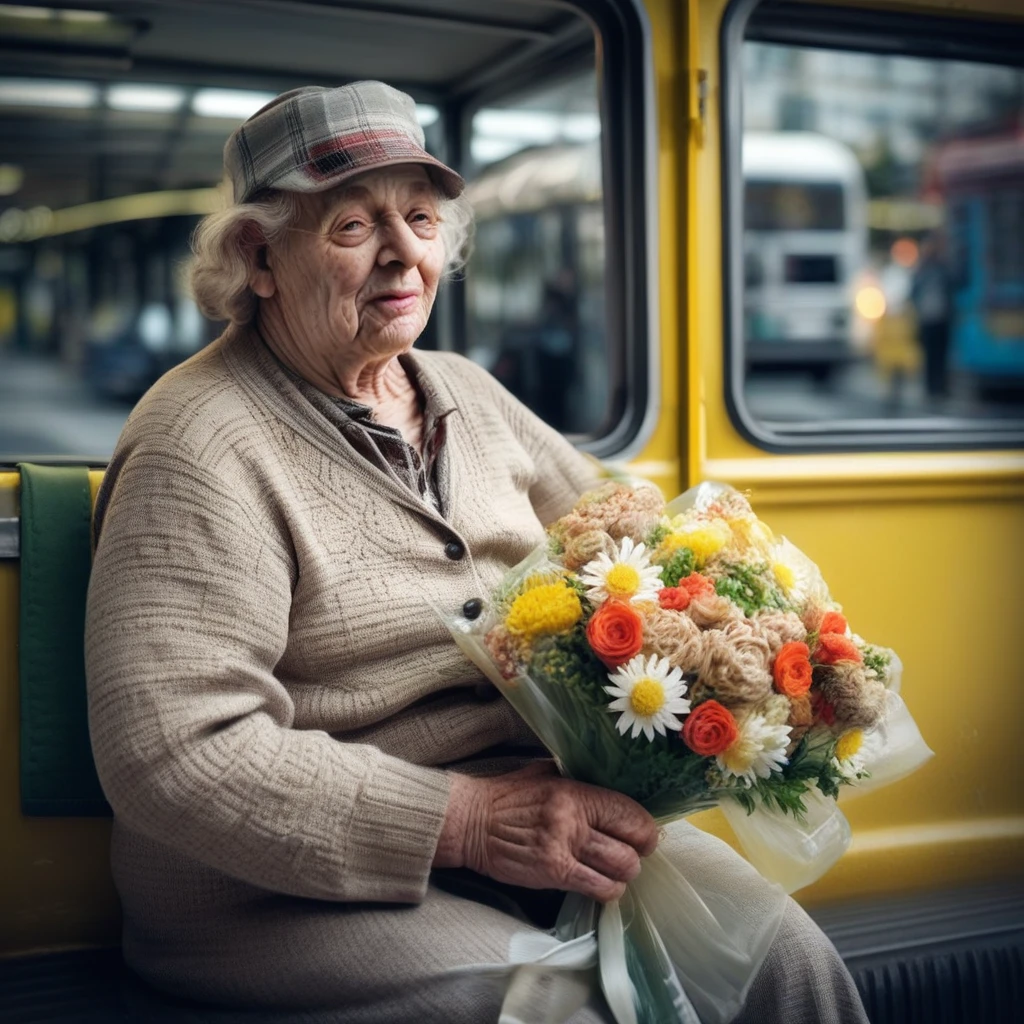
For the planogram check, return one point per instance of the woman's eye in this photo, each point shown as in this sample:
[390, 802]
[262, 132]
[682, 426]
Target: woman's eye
[424, 223]
[349, 231]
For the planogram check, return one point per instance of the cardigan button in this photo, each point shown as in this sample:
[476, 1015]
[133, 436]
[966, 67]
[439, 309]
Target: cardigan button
[472, 608]
[454, 550]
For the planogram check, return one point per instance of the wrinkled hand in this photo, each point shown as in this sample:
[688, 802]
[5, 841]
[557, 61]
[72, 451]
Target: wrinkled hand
[535, 829]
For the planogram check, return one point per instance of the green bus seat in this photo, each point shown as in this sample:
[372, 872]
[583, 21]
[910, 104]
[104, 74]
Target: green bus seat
[915, 960]
[58, 776]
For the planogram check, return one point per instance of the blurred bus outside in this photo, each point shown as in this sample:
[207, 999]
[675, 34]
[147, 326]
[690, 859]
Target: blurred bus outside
[805, 252]
[930, 138]
[982, 180]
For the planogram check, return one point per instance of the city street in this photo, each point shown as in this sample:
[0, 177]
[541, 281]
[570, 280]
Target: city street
[46, 409]
[861, 392]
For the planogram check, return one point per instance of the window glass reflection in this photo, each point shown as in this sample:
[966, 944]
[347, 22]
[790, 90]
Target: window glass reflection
[101, 186]
[883, 244]
[535, 285]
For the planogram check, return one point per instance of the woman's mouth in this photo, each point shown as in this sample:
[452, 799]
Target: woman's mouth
[397, 302]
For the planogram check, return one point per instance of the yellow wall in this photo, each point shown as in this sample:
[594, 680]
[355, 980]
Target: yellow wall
[923, 549]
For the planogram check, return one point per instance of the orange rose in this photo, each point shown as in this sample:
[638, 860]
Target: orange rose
[709, 729]
[832, 622]
[833, 647]
[792, 669]
[676, 599]
[695, 585]
[616, 632]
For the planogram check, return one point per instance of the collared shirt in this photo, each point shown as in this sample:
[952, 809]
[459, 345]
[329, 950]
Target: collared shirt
[421, 472]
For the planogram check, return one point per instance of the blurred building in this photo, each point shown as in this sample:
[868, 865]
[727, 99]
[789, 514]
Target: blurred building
[890, 110]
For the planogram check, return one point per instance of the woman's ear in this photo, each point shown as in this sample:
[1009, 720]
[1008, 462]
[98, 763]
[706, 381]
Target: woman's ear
[261, 276]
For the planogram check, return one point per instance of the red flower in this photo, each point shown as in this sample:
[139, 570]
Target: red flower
[676, 599]
[832, 622]
[823, 711]
[792, 669]
[833, 647]
[709, 729]
[615, 632]
[695, 585]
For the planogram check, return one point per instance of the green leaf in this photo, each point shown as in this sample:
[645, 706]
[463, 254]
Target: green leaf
[679, 566]
[656, 536]
[753, 587]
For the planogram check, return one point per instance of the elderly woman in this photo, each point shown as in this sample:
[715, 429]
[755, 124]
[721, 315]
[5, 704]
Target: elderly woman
[318, 803]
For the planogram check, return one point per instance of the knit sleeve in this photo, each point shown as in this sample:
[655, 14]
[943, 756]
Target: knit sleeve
[194, 737]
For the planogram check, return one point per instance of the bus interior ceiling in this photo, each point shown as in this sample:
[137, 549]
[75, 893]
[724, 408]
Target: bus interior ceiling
[443, 52]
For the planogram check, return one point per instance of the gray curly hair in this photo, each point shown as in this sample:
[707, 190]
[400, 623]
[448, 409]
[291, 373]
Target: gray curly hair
[226, 244]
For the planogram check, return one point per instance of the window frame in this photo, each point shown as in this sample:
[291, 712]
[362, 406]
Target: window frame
[626, 104]
[626, 85]
[858, 30]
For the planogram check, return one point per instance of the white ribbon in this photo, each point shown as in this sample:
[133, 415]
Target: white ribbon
[611, 945]
[550, 980]
[695, 951]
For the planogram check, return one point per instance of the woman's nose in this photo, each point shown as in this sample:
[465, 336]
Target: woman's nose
[399, 243]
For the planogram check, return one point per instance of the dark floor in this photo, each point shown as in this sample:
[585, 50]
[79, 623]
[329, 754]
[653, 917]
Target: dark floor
[955, 958]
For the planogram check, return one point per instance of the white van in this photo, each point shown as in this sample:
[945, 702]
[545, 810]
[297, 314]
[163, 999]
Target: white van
[805, 248]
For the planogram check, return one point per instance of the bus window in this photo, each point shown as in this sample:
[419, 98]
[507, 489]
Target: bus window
[93, 300]
[536, 282]
[876, 212]
[107, 166]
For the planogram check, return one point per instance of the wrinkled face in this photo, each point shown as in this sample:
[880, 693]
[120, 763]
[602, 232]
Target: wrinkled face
[362, 268]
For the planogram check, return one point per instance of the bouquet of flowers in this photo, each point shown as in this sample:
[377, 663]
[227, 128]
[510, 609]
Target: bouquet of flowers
[685, 656]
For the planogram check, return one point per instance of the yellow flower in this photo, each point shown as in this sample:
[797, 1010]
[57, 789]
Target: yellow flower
[671, 543]
[704, 541]
[647, 698]
[849, 744]
[785, 575]
[750, 532]
[548, 608]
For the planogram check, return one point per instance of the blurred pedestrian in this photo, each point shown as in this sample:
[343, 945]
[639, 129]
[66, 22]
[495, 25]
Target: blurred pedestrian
[931, 294]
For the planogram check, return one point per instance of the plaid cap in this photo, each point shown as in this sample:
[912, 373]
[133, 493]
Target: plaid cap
[313, 138]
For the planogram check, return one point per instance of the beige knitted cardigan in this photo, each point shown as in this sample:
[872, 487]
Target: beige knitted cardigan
[269, 690]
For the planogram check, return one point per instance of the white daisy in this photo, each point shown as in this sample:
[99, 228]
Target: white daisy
[854, 751]
[799, 577]
[759, 750]
[649, 693]
[850, 769]
[628, 577]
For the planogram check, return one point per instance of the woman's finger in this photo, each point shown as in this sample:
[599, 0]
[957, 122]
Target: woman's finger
[610, 857]
[540, 767]
[616, 815]
[588, 882]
